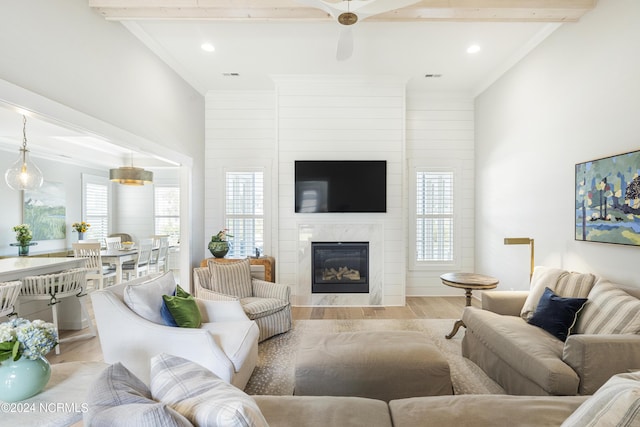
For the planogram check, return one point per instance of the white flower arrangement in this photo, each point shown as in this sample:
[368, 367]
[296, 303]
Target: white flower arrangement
[23, 338]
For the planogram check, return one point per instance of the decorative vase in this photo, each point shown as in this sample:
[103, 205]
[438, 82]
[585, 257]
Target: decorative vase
[23, 378]
[218, 249]
[80, 235]
[23, 250]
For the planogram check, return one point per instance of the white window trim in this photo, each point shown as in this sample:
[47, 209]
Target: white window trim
[439, 165]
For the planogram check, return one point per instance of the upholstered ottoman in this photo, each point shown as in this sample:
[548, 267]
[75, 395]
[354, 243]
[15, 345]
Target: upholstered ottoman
[381, 365]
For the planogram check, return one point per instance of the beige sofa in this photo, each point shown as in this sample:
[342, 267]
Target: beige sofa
[527, 360]
[183, 393]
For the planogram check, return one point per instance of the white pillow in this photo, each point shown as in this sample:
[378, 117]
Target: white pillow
[145, 299]
[199, 395]
[616, 403]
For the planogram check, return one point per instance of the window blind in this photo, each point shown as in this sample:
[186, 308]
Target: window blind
[244, 211]
[434, 216]
[167, 212]
[95, 199]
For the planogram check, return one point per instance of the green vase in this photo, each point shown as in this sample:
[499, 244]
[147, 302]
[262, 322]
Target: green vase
[23, 378]
[23, 250]
[218, 249]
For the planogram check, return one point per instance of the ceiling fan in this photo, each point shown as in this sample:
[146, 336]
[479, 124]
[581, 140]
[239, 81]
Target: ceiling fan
[349, 12]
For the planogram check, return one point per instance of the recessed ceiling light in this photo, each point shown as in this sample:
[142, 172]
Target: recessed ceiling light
[474, 48]
[231, 74]
[433, 76]
[207, 47]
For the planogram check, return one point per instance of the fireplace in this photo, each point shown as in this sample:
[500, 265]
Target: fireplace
[339, 267]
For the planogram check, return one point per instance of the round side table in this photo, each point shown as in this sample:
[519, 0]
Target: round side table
[468, 282]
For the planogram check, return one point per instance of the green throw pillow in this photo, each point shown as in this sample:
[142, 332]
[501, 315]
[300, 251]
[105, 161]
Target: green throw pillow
[183, 308]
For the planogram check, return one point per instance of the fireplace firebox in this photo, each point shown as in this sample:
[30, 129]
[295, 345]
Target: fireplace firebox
[340, 267]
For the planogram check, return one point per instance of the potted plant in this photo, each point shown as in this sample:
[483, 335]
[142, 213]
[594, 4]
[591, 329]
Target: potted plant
[81, 227]
[23, 237]
[219, 246]
[23, 369]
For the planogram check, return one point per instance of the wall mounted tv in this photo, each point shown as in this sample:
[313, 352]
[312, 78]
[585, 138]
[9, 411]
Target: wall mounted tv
[340, 186]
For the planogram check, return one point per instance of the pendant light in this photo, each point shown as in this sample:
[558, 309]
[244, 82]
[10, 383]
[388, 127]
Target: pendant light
[24, 174]
[130, 175]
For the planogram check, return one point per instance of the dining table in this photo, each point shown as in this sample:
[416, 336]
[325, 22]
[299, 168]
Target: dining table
[118, 257]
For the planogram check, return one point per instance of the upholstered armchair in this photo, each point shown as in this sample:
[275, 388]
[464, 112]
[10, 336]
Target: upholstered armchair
[264, 302]
[132, 331]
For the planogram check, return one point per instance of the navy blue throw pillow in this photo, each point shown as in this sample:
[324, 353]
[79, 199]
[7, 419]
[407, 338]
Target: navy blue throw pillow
[166, 314]
[556, 314]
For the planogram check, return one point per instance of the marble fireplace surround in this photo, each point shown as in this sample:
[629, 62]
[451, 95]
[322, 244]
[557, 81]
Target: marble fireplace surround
[327, 232]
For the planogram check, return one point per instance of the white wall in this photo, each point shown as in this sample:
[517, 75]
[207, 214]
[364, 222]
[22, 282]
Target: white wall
[440, 131]
[66, 52]
[574, 98]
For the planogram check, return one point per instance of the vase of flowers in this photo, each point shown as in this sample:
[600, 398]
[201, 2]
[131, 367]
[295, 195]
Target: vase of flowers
[23, 238]
[24, 371]
[219, 245]
[81, 227]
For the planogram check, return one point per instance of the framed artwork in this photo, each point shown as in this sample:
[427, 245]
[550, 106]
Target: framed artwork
[608, 199]
[45, 211]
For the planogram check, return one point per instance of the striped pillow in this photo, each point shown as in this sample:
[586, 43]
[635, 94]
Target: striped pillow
[232, 278]
[610, 310]
[199, 395]
[616, 403]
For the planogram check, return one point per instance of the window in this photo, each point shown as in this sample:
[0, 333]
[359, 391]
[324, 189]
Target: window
[435, 223]
[167, 212]
[244, 211]
[95, 206]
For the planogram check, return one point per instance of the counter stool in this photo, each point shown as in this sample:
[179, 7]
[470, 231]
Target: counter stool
[54, 287]
[9, 293]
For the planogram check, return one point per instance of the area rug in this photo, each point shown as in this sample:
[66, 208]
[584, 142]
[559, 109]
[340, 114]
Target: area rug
[274, 374]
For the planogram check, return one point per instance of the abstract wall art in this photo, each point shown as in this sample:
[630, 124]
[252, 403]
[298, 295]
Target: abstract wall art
[607, 205]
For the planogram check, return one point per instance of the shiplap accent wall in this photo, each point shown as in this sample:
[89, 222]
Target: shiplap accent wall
[339, 118]
[240, 131]
[342, 118]
[134, 209]
[440, 130]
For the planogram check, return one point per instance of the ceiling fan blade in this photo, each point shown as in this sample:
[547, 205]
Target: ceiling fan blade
[345, 44]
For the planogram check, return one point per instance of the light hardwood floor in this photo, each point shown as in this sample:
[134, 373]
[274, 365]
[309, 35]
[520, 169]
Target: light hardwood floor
[416, 308]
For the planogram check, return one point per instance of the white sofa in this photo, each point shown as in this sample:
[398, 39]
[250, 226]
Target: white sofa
[226, 343]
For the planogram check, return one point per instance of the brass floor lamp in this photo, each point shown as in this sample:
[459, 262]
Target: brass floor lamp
[522, 241]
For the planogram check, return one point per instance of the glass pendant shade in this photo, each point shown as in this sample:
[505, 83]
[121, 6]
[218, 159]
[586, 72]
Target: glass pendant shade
[24, 174]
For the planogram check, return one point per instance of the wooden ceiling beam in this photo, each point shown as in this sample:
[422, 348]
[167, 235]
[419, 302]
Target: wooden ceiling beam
[291, 10]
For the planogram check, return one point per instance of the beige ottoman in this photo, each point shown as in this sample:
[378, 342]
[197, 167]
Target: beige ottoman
[383, 365]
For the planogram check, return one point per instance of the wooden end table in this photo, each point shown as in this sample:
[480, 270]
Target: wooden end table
[468, 282]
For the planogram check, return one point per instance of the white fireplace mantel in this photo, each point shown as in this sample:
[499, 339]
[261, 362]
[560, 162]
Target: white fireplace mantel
[330, 232]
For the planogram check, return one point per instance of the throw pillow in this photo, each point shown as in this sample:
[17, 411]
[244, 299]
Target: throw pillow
[610, 311]
[543, 277]
[183, 308]
[167, 317]
[561, 282]
[145, 299]
[231, 278]
[616, 403]
[199, 395]
[119, 395]
[556, 314]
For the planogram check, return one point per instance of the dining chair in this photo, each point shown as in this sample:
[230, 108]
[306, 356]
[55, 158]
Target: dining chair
[141, 265]
[159, 256]
[96, 271]
[55, 287]
[9, 292]
[114, 242]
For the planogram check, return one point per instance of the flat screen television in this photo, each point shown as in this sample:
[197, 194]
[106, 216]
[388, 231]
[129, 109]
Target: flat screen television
[340, 186]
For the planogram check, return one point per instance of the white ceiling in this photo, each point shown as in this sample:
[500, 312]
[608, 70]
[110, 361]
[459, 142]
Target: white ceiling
[258, 50]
